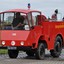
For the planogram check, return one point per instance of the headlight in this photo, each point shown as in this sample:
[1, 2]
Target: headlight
[13, 43]
[22, 43]
[3, 42]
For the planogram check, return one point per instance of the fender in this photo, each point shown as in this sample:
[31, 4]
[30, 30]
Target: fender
[37, 40]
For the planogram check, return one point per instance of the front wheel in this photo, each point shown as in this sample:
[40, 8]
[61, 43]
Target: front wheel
[58, 47]
[13, 53]
[40, 52]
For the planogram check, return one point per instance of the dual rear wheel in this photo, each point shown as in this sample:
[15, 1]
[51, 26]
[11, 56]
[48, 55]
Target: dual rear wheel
[57, 48]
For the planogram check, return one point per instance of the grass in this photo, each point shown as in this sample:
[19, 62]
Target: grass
[3, 51]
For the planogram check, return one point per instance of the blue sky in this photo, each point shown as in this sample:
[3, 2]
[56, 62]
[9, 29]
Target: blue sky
[46, 6]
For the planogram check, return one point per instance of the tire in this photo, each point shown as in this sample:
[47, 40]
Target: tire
[57, 48]
[30, 53]
[40, 52]
[13, 53]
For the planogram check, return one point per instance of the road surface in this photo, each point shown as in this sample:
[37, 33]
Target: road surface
[24, 59]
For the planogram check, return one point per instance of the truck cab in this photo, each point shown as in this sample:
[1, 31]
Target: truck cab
[36, 33]
[16, 39]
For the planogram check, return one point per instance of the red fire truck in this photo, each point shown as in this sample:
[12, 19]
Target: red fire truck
[38, 34]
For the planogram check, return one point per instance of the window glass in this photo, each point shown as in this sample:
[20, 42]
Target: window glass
[34, 17]
[8, 18]
[1, 17]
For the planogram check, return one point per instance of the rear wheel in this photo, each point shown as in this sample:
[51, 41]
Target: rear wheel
[58, 47]
[40, 52]
[13, 53]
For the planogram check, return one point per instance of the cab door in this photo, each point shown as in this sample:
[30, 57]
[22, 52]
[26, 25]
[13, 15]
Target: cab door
[35, 29]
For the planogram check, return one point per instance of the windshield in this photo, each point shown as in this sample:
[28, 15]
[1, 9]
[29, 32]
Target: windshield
[13, 21]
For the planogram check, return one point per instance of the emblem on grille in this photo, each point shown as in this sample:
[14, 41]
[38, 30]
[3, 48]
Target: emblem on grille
[13, 34]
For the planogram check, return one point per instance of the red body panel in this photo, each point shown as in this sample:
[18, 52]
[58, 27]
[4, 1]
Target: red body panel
[29, 37]
[14, 35]
[51, 30]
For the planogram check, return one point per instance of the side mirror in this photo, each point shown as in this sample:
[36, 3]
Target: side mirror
[26, 27]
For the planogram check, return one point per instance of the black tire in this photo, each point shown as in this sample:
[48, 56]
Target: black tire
[13, 53]
[40, 52]
[30, 53]
[57, 48]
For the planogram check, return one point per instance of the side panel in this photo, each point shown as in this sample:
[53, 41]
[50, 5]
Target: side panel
[51, 30]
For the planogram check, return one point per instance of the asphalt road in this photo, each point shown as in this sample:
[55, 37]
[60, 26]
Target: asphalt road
[24, 59]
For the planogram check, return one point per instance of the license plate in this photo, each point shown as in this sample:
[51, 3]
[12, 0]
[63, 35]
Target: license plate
[12, 48]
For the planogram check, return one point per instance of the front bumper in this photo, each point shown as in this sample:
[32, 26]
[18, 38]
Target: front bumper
[22, 48]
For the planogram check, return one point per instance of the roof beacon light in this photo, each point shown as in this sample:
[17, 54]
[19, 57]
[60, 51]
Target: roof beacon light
[29, 6]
